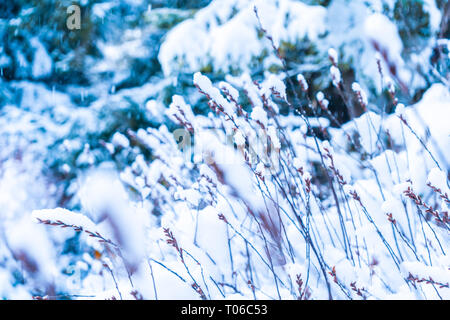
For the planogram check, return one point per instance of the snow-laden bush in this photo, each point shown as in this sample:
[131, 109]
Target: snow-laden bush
[253, 204]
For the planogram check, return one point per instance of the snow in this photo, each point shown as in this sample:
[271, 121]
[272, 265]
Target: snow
[301, 79]
[206, 86]
[434, 14]
[272, 132]
[258, 114]
[134, 182]
[119, 139]
[421, 116]
[42, 63]
[30, 244]
[335, 75]
[231, 41]
[155, 108]
[383, 32]
[212, 237]
[65, 216]
[180, 111]
[437, 178]
[321, 99]
[367, 126]
[400, 109]
[104, 199]
[362, 97]
[333, 55]
[274, 84]
[384, 37]
[225, 86]
[239, 138]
